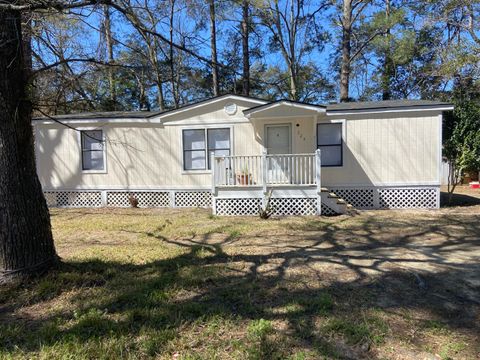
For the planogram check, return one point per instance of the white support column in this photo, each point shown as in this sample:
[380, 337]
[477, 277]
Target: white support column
[172, 198]
[318, 179]
[104, 198]
[376, 198]
[213, 166]
[264, 177]
[214, 206]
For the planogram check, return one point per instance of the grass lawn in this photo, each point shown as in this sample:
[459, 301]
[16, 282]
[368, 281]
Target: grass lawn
[182, 284]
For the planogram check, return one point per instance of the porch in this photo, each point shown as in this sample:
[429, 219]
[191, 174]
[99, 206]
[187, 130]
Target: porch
[242, 184]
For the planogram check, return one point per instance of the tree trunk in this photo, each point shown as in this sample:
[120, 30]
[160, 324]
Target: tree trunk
[293, 81]
[387, 61]
[245, 47]
[346, 49]
[213, 44]
[110, 59]
[160, 97]
[26, 242]
[292, 36]
[176, 100]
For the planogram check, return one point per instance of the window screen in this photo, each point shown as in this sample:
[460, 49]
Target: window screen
[218, 142]
[93, 157]
[329, 141]
[194, 149]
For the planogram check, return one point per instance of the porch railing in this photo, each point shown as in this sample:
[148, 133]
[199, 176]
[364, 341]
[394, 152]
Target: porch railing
[266, 170]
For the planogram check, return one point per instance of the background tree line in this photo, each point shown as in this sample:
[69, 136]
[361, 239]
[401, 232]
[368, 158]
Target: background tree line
[112, 57]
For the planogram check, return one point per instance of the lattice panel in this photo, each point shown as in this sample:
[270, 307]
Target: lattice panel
[294, 206]
[327, 211]
[408, 198]
[359, 198]
[145, 199]
[193, 199]
[73, 198]
[238, 206]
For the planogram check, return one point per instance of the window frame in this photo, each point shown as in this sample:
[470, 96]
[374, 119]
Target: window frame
[104, 150]
[205, 128]
[342, 140]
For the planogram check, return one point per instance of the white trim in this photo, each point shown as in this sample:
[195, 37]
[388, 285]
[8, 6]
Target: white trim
[196, 122]
[104, 140]
[249, 112]
[123, 188]
[203, 127]
[440, 157]
[389, 110]
[440, 146]
[211, 101]
[97, 121]
[283, 117]
[384, 185]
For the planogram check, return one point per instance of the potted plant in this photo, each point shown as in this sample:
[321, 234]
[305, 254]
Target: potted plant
[244, 177]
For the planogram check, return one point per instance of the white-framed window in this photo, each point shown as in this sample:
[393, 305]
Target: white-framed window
[92, 144]
[330, 143]
[199, 143]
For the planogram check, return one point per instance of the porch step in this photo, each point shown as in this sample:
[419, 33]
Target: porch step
[336, 203]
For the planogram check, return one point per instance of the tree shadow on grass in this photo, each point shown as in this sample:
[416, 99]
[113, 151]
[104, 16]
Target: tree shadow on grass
[459, 199]
[297, 286]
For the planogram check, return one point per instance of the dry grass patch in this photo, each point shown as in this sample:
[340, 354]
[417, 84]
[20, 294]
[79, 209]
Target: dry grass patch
[145, 283]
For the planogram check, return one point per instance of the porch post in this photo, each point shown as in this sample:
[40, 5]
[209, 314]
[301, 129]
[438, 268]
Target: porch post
[213, 165]
[318, 180]
[264, 177]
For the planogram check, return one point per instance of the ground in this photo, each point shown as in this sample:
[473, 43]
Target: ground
[182, 284]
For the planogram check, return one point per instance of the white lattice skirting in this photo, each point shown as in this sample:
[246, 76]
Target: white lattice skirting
[251, 206]
[73, 198]
[145, 199]
[391, 197]
[360, 198]
[237, 206]
[116, 198]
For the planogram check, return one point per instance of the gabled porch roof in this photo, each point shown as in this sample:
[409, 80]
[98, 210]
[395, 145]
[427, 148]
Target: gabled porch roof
[285, 108]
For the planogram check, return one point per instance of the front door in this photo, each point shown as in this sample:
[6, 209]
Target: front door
[278, 140]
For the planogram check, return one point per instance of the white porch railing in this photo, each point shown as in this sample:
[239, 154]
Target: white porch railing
[266, 170]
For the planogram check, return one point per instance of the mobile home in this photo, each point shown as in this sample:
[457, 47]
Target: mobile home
[233, 153]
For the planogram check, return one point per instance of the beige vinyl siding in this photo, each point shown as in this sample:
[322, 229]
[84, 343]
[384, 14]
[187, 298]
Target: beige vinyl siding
[388, 149]
[382, 149]
[136, 157]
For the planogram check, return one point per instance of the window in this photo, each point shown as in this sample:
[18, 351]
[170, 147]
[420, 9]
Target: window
[93, 156]
[329, 141]
[199, 143]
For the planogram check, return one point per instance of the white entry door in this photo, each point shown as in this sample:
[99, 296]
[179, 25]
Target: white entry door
[278, 141]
